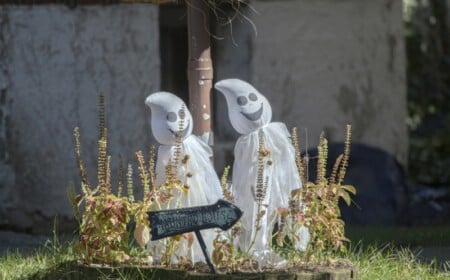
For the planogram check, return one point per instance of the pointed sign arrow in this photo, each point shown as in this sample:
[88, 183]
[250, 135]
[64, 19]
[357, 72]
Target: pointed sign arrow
[167, 223]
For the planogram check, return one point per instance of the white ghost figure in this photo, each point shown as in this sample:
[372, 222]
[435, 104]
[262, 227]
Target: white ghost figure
[194, 169]
[250, 115]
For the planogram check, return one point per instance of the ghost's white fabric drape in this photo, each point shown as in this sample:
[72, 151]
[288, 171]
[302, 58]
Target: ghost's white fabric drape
[281, 176]
[203, 183]
[194, 166]
[250, 114]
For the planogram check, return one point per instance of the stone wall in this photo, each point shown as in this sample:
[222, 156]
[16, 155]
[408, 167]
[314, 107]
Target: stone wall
[324, 64]
[7, 174]
[321, 63]
[54, 62]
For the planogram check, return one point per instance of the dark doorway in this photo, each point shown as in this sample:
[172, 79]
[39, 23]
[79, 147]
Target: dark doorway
[173, 46]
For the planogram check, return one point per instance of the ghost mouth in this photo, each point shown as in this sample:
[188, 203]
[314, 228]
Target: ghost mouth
[185, 130]
[254, 116]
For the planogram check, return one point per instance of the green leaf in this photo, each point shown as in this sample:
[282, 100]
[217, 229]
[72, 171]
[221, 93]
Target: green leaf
[346, 197]
[349, 188]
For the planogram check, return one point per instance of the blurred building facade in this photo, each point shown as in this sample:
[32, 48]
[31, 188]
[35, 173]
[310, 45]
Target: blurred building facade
[322, 64]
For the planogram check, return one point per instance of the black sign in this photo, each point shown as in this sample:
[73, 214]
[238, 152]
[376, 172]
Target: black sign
[167, 223]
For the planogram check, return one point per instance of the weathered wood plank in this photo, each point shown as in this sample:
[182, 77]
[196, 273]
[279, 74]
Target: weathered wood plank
[75, 271]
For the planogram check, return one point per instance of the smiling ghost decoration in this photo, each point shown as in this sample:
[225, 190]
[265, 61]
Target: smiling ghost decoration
[250, 115]
[170, 116]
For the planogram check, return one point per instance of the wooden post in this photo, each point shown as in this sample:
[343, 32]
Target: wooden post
[200, 69]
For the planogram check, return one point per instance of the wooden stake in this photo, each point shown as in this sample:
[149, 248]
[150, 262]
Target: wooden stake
[200, 69]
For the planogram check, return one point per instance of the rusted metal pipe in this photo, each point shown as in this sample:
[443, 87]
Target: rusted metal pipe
[200, 69]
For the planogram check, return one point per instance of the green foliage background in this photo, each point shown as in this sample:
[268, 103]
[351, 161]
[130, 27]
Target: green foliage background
[427, 26]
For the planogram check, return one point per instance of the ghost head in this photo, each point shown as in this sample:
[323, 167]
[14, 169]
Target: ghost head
[248, 109]
[168, 111]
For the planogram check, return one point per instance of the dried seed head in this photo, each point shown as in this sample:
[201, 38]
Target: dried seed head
[185, 159]
[264, 152]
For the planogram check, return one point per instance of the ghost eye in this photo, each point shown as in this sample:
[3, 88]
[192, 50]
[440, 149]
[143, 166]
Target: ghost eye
[242, 100]
[172, 117]
[252, 96]
[181, 113]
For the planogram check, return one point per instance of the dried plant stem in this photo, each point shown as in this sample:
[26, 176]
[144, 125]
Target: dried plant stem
[259, 215]
[223, 183]
[344, 164]
[151, 168]
[130, 183]
[102, 148]
[121, 177]
[261, 187]
[170, 248]
[86, 187]
[335, 169]
[101, 165]
[281, 233]
[170, 176]
[143, 173]
[101, 116]
[306, 158]
[108, 175]
[322, 213]
[262, 153]
[298, 155]
[322, 150]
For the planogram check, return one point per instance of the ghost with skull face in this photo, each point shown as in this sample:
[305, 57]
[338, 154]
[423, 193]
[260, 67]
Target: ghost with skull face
[250, 115]
[170, 117]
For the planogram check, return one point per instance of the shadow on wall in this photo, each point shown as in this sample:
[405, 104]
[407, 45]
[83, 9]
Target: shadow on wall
[384, 196]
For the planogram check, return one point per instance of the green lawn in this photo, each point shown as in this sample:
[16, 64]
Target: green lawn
[405, 236]
[18, 265]
[372, 261]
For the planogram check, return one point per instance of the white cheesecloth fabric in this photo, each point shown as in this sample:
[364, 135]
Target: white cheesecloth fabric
[250, 114]
[197, 172]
